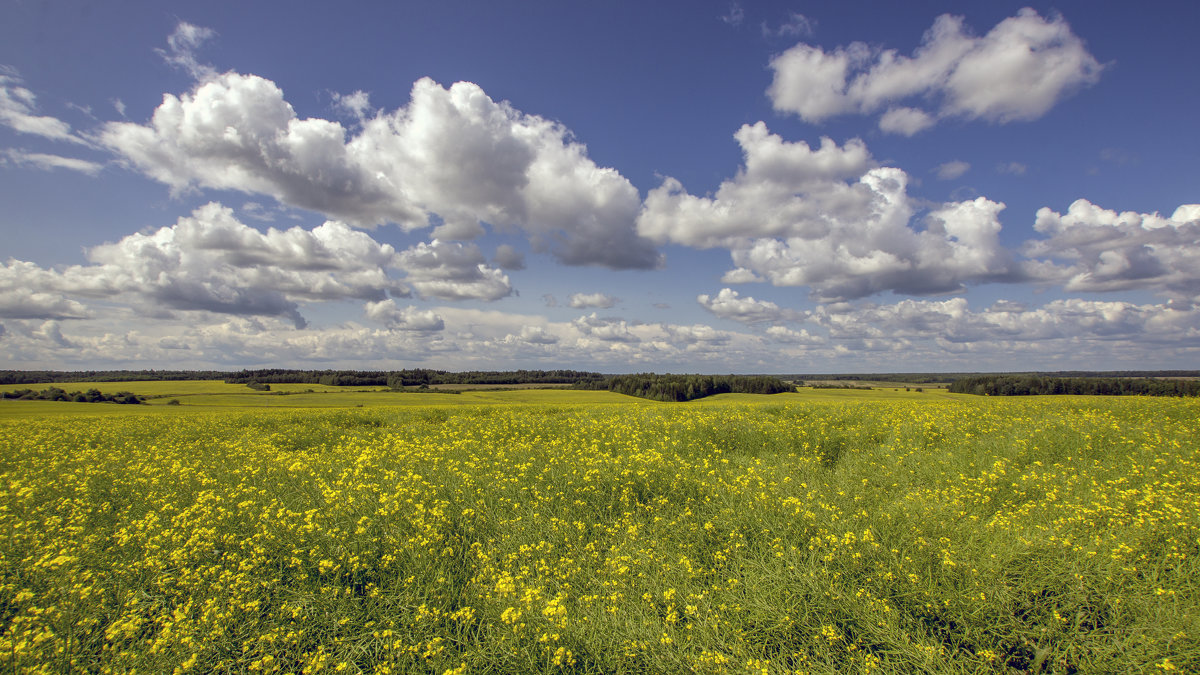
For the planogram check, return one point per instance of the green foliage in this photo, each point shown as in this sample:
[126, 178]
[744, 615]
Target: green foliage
[409, 378]
[1033, 385]
[690, 387]
[57, 394]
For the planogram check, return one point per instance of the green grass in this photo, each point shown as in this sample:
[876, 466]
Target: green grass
[559, 531]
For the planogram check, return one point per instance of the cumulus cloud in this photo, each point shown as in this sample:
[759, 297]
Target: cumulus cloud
[830, 219]
[1106, 250]
[26, 303]
[606, 329]
[952, 169]
[905, 121]
[210, 261]
[783, 189]
[356, 105]
[1019, 70]
[599, 300]
[51, 332]
[739, 275]
[728, 304]
[47, 162]
[18, 110]
[796, 337]
[452, 271]
[453, 153]
[537, 335]
[408, 318]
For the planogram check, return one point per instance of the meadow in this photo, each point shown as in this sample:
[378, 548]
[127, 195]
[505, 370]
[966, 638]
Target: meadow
[588, 532]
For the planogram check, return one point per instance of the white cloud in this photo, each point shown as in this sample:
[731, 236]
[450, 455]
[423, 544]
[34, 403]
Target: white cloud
[452, 271]
[789, 336]
[728, 304]
[784, 189]
[1018, 71]
[812, 83]
[181, 49]
[1062, 324]
[831, 220]
[47, 162]
[453, 153]
[605, 329]
[599, 300]
[1111, 251]
[211, 262]
[905, 121]
[796, 25]
[927, 334]
[26, 303]
[952, 169]
[356, 105]
[537, 335]
[1012, 168]
[739, 275]
[18, 111]
[409, 318]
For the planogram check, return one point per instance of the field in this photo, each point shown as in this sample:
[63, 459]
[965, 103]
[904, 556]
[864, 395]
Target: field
[559, 531]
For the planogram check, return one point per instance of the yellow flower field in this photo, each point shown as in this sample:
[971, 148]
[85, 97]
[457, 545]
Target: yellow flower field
[766, 535]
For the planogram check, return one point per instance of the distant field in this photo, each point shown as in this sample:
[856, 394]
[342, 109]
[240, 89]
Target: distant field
[218, 395]
[827, 531]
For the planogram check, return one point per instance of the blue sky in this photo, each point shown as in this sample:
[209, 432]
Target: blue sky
[679, 186]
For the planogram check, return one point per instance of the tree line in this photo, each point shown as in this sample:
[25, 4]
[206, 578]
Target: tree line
[51, 376]
[935, 378]
[411, 377]
[1033, 385]
[89, 396]
[677, 388]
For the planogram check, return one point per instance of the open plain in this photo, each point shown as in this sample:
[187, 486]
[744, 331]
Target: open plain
[310, 529]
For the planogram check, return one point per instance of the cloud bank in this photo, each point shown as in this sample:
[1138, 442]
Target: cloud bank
[452, 155]
[833, 220]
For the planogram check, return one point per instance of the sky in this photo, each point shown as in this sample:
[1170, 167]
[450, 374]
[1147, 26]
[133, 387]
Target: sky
[700, 186]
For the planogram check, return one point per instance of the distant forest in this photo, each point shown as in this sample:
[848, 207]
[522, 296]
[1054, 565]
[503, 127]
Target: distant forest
[414, 377]
[932, 378]
[341, 378]
[1034, 385]
[48, 376]
[691, 387]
